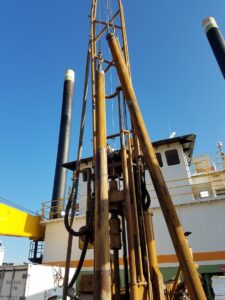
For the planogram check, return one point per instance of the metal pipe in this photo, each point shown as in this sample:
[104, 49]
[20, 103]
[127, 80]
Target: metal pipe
[59, 187]
[151, 245]
[93, 70]
[125, 260]
[116, 274]
[134, 211]
[138, 235]
[128, 213]
[156, 277]
[175, 284]
[216, 41]
[175, 229]
[102, 274]
[124, 35]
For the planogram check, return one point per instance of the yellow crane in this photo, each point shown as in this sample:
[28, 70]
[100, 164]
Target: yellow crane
[15, 222]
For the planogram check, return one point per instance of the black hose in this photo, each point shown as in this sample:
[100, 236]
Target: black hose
[146, 200]
[73, 197]
[87, 232]
[81, 261]
[82, 256]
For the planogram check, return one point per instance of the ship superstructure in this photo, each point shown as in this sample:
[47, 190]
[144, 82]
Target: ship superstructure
[197, 187]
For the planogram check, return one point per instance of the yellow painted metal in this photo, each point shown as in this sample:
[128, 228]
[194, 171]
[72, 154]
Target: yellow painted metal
[175, 283]
[156, 276]
[14, 222]
[93, 70]
[102, 274]
[191, 275]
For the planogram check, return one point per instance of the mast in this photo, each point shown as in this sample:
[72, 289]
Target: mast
[174, 226]
[121, 62]
[119, 189]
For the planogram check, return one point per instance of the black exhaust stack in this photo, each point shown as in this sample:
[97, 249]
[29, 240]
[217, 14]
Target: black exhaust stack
[59, 188]
[216, 41]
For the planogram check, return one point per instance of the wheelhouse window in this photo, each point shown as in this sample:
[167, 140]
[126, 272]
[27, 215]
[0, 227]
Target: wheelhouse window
[172, 157]
[159, 158]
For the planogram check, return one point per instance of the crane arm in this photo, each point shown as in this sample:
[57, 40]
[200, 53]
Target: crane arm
[15, 222]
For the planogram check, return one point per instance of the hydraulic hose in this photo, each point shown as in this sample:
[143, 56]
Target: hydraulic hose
[146, 200]
[72, 198]
[81, 261]
[89, 216]
[74, 192]
[87, 232]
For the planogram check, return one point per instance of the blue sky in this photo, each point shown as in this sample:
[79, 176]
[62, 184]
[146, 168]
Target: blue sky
[175, 76]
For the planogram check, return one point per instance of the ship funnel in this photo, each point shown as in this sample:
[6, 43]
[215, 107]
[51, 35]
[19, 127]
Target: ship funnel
[216, 41]
[59, 187]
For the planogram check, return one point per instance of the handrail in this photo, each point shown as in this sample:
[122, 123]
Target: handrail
[46, 206]
[47, 210]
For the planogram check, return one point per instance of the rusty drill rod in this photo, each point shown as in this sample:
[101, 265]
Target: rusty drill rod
[102, 277]
[175, 229]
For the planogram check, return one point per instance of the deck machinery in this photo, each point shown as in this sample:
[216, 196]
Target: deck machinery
[119, 218]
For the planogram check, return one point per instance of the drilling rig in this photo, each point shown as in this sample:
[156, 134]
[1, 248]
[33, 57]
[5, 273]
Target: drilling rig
[119, 219]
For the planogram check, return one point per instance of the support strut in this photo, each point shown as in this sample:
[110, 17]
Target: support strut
[175, 229]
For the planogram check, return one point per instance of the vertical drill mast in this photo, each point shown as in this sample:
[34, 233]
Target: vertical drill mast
[119, 185]
[99, 28]
[122, 64]
[174, 226]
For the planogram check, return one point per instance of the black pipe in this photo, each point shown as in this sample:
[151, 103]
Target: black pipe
[59, 187]
[216, 41]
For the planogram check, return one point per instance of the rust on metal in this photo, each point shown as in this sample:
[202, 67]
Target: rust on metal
[102, 274]
[175, 229]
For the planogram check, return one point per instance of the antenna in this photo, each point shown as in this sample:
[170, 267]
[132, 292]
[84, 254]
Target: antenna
[220, 145]
[172, 134]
